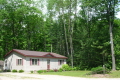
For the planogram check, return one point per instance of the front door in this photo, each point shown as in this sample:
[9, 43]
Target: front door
[48, 64]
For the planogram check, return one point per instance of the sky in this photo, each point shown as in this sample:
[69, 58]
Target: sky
[118, 15]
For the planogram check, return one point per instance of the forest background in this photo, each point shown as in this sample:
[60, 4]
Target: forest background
[77, 29]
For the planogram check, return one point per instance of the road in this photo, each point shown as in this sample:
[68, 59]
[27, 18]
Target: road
[27, 76]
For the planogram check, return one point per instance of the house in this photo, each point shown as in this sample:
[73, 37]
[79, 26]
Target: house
[33, 60]
[1, 65]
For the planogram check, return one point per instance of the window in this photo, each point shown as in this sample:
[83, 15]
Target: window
[60, 62]
[5, 62]
[49, 56]
[34, 61]
[48, 62]
[19, 62]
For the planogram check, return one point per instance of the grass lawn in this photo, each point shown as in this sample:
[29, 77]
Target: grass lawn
[69, 73]
[113, 74]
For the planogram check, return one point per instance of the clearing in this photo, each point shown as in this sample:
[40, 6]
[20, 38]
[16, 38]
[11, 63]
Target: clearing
[28, 76]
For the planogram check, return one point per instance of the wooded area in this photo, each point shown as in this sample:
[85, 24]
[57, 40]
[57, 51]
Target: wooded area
[86, 31]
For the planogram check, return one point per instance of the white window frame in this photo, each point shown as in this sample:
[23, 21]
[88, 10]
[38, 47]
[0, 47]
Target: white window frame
[61, 62]
[19, 62]
[5, 63]
[34, 61]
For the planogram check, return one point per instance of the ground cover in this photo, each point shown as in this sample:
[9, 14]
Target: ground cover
[112, 74]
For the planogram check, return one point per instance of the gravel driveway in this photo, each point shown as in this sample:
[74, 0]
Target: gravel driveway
[26, 76]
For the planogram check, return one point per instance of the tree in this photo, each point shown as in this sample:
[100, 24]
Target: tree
[17, 19]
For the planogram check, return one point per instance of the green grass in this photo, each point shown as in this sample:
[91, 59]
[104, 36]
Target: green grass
[114, 74]
[69, 73]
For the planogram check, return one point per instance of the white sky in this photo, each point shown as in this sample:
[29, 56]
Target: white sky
[118, 15]
[44, 9]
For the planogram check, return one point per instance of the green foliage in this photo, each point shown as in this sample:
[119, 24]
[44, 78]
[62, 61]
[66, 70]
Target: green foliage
[75, 68]
[44, 71]
[99, 70]
[60, 70]
[8, 70]
[21, 71]
[41, 71]
[14, 70]
[65, 67]
[31, 71]
[51, 70]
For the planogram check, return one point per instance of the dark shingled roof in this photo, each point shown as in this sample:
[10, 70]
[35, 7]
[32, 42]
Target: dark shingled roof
[36, 54]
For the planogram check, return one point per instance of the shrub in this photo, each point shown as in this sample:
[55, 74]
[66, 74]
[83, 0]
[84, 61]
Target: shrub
[20, 71]
[8, 70]
[60, 70]
[31, 71]
[40, 71]
[99, 70]
[14, 70]
[51, 71]
[55, 70]
[65, 67]
[75, 68]
[44, 71]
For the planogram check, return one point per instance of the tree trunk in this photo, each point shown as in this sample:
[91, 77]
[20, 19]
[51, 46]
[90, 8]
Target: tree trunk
[70, 34]
[66, 41]
[112, 48]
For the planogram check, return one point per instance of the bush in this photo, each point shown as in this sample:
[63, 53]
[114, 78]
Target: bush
[40, 71]
[20, 71]
[75, 68]
[44, 71]
[60, 70]
[65, 67]
[99, 70]
[14, 70]
[55, 70]
[8, 70]
[31, 71]
[51, 71]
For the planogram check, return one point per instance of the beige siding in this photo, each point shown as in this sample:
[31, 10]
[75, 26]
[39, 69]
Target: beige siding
[11, 63]
[42, 64]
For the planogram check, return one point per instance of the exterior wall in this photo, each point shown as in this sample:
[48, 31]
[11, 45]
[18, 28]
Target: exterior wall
[11, 63]
[1, 65]
[10, 60]
[43, 64]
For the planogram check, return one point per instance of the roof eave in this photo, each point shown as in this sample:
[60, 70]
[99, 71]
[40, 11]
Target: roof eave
[45, 57]
[14, 51]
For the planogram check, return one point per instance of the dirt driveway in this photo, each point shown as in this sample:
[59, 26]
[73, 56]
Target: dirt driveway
[27, 76]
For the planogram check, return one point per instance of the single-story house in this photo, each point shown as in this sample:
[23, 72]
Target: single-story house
[1, 65]
[33, 60]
